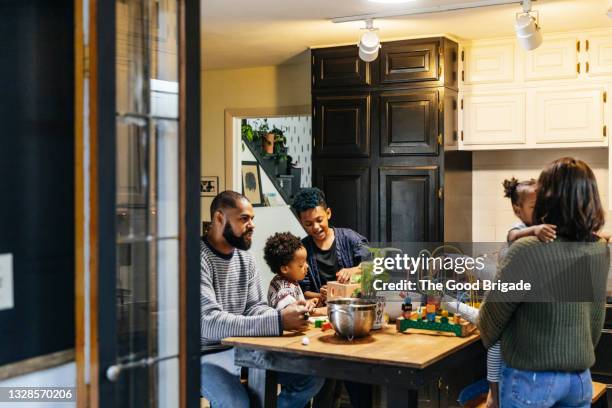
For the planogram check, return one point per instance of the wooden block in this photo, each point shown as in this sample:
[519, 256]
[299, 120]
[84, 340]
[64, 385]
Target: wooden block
[341, 290]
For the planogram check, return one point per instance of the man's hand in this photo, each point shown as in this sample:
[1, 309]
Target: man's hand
[546, 232]
[293, 318]
[491, 401]
[344, 275]
[493, 395]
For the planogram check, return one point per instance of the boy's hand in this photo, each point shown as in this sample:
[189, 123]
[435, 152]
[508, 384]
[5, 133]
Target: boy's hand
[546, 232]
[344, 275]
[323, 292]
[293, 318]
[312, 303]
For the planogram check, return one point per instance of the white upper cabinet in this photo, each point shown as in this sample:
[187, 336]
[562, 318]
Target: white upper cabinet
[552, 97]
[599, 54]
[569, 115]
[488, 63]
[494, 119]
[554, 59]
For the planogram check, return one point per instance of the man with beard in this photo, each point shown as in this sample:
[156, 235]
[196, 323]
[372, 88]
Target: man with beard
[232, 304]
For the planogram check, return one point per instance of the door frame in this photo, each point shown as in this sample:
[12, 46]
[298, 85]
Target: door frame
[233, 134]
[95, 240]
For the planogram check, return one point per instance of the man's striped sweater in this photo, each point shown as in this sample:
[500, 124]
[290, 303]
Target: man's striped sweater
[231, 298]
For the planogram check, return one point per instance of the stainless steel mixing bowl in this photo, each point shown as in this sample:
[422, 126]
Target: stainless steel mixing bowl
[351, 317]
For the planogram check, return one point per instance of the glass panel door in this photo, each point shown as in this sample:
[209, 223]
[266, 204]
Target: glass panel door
[147, 204]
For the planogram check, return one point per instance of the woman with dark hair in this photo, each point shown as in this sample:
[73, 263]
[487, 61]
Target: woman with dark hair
[549, 334]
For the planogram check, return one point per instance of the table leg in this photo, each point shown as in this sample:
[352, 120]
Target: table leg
[262, 387]
[401, 397]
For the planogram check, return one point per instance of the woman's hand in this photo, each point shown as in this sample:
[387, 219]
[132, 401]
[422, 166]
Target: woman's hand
[344, 275]
[546, 232]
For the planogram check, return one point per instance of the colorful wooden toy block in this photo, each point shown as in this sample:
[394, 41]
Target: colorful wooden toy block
[460, 330]
[336, 289]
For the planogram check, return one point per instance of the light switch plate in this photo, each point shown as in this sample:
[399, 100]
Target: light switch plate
[6, 281]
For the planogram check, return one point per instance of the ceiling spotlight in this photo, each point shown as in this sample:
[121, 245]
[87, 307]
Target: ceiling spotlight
[369, 43]
[528, 32]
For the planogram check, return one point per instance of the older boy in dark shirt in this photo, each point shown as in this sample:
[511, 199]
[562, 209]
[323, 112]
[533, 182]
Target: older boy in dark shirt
[334, 254]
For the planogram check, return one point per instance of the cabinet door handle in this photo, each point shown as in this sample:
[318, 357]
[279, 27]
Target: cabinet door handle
[578, 67]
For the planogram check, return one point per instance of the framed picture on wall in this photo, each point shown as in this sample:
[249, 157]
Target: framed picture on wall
[209, 186]
[251, 183]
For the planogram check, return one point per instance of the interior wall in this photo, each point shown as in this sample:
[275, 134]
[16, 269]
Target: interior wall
[492, 212]
[262, 87]
[37, 176]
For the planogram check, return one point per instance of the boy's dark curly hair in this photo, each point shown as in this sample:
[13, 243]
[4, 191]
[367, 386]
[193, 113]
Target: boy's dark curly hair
[308, 198]
[279, 250]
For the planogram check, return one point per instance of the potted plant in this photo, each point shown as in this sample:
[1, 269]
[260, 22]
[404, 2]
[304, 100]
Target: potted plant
[367, 278]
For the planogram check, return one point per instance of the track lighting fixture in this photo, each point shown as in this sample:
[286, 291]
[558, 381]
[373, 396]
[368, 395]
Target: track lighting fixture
[528, 32]
[369, 43]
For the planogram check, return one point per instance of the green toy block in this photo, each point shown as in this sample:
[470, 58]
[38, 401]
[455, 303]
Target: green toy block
[460, 330]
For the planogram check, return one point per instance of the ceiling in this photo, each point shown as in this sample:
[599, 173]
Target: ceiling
[250, 33]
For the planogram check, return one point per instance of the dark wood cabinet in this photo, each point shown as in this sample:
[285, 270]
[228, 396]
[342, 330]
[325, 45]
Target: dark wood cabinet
[409, 61]
[339, 66]
[409, 122]
[347, 191]
[342, 125]
[408, 204]
[385, 141]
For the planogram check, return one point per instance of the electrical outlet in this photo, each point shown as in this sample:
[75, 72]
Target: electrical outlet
[6, 281]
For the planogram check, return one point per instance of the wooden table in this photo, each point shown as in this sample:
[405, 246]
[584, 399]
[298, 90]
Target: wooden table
[400, 362]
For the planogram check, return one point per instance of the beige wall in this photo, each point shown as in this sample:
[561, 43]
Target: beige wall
[263, 87]
[493, 214]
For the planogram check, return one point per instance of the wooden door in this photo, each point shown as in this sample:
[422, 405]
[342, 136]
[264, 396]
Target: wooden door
[140, 92]
[347, 190]
[341, 125]
[409, 204]
[569, 115]
[599, 55]
[339, 67]
[488, 63]
[409, 61]
[409, 122]
[493, 118]
[554, 59]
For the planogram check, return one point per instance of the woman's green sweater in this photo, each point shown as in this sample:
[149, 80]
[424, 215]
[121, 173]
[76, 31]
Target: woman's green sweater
[557, 324]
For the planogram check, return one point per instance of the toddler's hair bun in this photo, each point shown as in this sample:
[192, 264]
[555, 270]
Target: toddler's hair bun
[510, 187]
